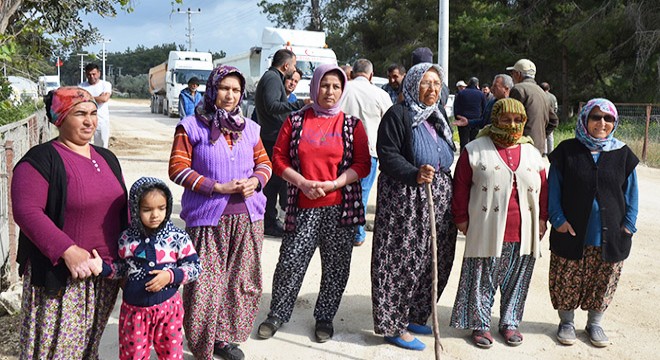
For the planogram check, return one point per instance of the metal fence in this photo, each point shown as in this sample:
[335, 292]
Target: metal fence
[15, 140]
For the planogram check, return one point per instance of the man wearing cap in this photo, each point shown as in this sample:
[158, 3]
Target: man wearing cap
[469, 103]
[460, 85]
[189, 98]
[541, 117]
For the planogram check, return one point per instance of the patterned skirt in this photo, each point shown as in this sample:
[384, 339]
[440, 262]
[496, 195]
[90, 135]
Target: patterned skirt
[67, 326]
[223, 303]
[589, 283]
[401, 276]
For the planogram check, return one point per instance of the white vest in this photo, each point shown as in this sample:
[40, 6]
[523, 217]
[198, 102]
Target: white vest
[492, 184]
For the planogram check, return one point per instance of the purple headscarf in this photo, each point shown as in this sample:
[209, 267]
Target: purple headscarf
[582, 133]
[315, 86]
[220, 120]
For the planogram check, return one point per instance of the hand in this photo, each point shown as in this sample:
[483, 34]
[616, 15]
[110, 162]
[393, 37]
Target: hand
[308, 101]
[625, 229]
[566, 227]
[543, 227]
[96, 263]
[76, 260]
[460, 121]
[231, 187]
[249, 186]
[328, 186]
[159, 281]
[463, 227]
[425, 174]
[312, 189]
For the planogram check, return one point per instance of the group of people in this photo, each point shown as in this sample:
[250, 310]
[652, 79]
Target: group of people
[82, 231]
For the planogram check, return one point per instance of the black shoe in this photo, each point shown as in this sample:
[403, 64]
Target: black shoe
[228, 352]
[274, 229]
[324, 331]
[269, 327]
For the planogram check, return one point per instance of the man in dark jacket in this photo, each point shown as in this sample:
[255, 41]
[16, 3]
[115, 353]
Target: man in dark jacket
[469, 103]
[273, 107]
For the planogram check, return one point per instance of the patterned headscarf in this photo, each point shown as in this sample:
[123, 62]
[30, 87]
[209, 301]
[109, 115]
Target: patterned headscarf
[582, 134]
[220, 120]
[419, 111]
[60, 102]
[315, 87]
[509, 134]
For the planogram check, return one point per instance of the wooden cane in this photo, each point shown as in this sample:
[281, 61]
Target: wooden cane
[434, 292]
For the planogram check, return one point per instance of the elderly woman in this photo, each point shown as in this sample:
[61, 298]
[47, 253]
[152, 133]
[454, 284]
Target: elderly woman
[500, 204]
[68, 198]
[218, 157]
[415, 147]
[321, 153]
[593, 204]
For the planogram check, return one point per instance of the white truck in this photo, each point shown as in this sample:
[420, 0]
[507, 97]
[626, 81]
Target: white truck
[166, 80]
[310, 49]
[47, 83]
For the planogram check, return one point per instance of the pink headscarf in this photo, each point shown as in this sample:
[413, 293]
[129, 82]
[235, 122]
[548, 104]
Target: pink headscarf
[315, 86]
[64, 99]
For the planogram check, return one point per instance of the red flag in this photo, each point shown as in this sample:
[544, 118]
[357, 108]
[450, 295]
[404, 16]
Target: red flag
[59, 62]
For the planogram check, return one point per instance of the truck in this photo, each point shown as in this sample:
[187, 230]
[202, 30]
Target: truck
[46, 83]
[310, 49]
[166, 80]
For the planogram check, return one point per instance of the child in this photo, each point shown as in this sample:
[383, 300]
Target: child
[155, 257]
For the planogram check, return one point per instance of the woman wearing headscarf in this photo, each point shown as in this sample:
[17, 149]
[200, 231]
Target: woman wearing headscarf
[68, 198]
[593, 204]
[322, 153]
[218, 157]
[415, 147]
[500, 204]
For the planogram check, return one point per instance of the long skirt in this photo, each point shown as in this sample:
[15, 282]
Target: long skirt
[589, 283]
[223, 303]
[66, 326]
[480, 279]
[316, 227]
[401, 275]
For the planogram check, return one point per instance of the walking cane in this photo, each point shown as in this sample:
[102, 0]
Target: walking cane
[434, 250]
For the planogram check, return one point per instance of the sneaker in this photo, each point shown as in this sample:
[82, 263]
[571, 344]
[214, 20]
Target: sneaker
[269, 327]
[566, 334]
[274, 229]
[228, 352]
[597, 336]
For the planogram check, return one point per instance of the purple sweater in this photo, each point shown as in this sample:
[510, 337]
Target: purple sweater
[93, 194]
[218, 162]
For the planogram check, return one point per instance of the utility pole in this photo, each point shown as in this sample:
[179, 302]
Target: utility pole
[443, 36]
[190, 29]
[103, 54]
[82, 64]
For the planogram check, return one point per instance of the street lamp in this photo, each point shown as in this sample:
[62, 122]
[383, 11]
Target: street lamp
[103, 54]
[82, 65]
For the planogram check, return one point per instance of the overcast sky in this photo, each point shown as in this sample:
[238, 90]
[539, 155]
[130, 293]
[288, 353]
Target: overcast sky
[229, 25]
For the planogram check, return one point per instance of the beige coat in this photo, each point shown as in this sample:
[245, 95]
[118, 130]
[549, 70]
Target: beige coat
[541, 117]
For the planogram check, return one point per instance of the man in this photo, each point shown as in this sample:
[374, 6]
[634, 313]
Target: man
[424, 54]
[469, 103]
[541, 118]
[502, 85]
[460, 85]
[101, 91]
[368, 103]
[272, 107]
[348, 70]
[290, 85]
[550, 138]
[189, 98]
[485, 88]
[395, 75]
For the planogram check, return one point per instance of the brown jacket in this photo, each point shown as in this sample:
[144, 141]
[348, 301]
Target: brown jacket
[541, 118]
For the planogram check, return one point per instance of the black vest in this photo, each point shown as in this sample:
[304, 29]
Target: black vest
[584, 181]
[47, 161]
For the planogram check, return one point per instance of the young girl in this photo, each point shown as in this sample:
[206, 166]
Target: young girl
[155, 257]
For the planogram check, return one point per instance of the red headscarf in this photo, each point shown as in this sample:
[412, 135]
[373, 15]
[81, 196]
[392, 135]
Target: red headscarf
[63, 100]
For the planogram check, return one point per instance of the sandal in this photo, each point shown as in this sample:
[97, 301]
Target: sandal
[482, 338]
[269, 327]
[323, 331]
[513, 337]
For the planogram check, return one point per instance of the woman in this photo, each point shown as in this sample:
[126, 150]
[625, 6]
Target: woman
[593, 204]
[499, 170]
[68, 198]
[415, 148]
[218, 157]
[321, 153]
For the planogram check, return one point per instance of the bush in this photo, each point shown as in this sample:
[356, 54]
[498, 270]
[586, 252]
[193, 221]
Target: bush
[10, 113]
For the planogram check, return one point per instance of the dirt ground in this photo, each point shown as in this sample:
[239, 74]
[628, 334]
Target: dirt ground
[142, 142]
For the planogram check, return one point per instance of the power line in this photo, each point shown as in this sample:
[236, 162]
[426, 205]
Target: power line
[190, 29]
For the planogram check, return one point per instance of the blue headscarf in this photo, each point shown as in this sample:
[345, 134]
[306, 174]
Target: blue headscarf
[609, 143]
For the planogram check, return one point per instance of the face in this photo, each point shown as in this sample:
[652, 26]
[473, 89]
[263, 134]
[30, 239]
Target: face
[193, 87]
[517, 76]
[329, 91]
[429, 87]
[486, 90]
[153, 208]
[93, 76]
[499, 90]
[508, 119]
[600, 124]
[290, 67]
[291, 83]
[79, 126]
[395, 78]
[229, 93]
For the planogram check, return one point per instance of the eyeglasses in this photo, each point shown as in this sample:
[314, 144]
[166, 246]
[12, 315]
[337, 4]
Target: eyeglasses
[428, 84]
[596, 117]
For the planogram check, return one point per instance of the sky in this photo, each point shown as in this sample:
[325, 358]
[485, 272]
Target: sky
[229, 25]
